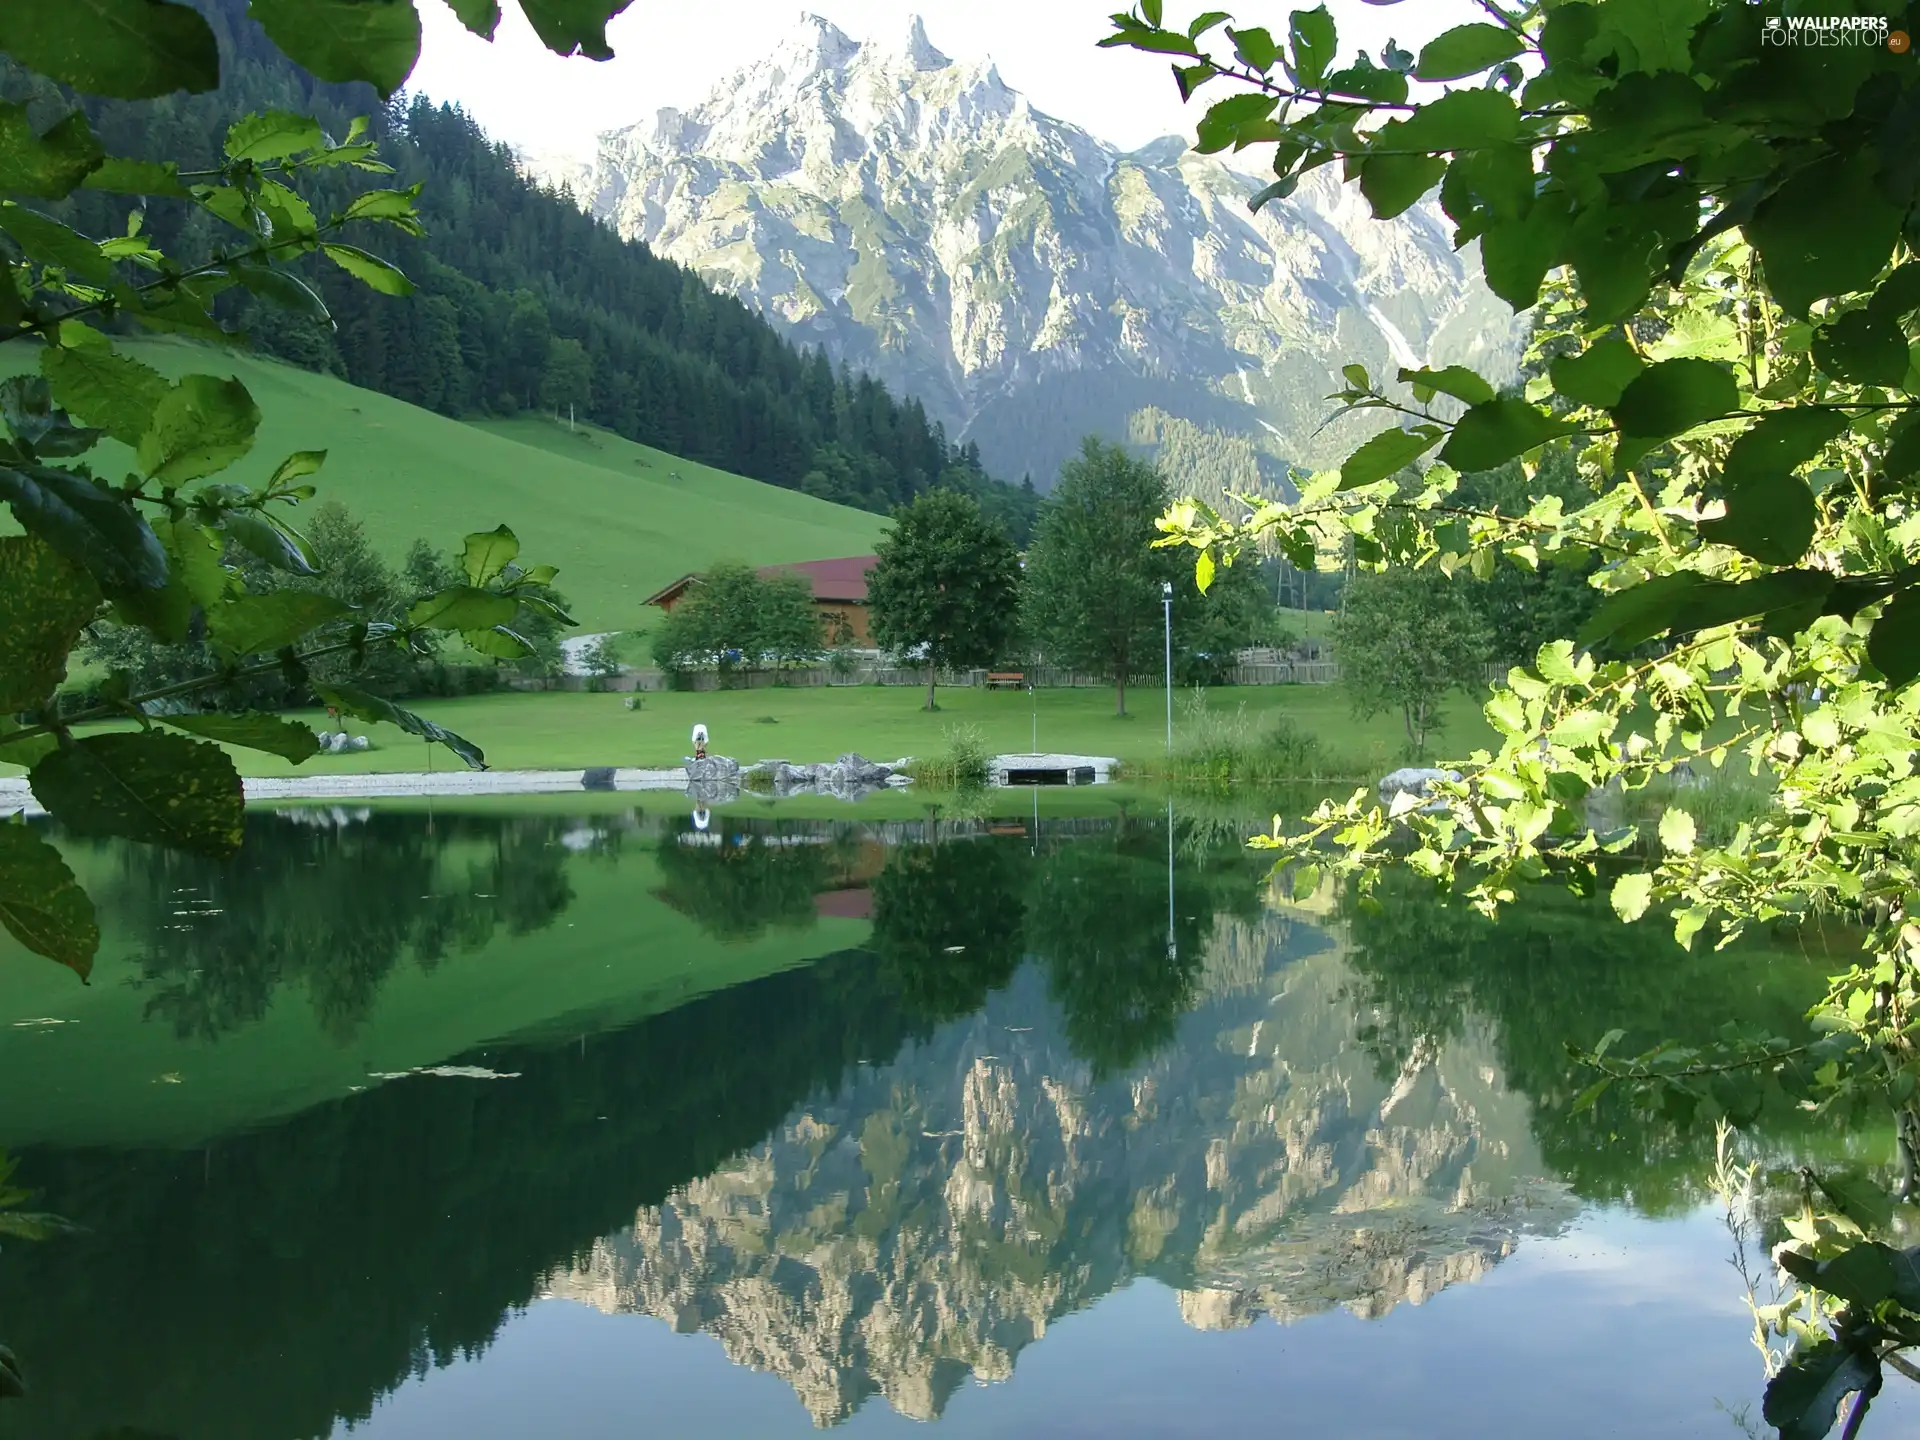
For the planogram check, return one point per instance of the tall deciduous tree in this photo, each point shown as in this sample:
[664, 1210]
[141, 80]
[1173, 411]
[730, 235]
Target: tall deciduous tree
[1405, 639]
[1093, 577]
[947, 585]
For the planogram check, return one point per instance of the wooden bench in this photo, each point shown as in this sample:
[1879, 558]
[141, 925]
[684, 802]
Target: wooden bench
[1006, 680]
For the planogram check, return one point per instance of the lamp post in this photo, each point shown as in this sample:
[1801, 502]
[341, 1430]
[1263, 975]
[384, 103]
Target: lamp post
[1166, 599]
[1033, 694]
[1173, 948]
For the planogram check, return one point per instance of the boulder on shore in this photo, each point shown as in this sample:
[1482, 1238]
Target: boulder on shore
[848, 778]
[714, 768]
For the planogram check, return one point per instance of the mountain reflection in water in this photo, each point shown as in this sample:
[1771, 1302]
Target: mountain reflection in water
[869, 1155]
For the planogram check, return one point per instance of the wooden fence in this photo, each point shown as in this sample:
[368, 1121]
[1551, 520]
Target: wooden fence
[1256, 667]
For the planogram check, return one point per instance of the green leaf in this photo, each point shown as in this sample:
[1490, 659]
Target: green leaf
[45, 602]
[93, 527]
[1628, 617]
[396, 207]
[46, 240]
[1588, 1097]
[1783, 599]
[138, 177]
[261, 624]
[100, 385]
[1455, 380]
[1893, 645]
[37, 424]
[1897, 296]
[1827, 231]
[1804, 1399]
[1862, 347]
[42, 905]
[146, 786]
[1674, 396]
[1554, 661]
[1783, 441]
[251, 730]
[482, 17]
[1387, 453]
[1771, 518]
[1393, 183]
[34, 1225]
[487, 553]
[372, 40]
[1314, 43]
[127, 49]
[295, 466]
[201, 426]
[1864, 1275]
[168, 611]
[277, 544]
[1631, 896]
[499, 642]
[1459, 120]
[284, 289]
[1203, 572]
[45, 166]
[195, 552]
[370, 270]
[1255, 47]
[1517, 254]
[462, 607]
[1368, 81]
[1489, 435]
[374, 708]
[1599, 374]
[1648, 35]
[1859, 1199]
[1466, 50]
[569, 27]
[273, 135]
[1485, 187]
[1677, 831]
[28, 752]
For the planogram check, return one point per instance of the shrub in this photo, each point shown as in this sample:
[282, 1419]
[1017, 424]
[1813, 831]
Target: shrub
[964, 763]
[1225, 747]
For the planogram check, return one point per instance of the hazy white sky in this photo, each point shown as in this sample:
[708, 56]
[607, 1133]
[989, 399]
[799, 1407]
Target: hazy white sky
[673, 52]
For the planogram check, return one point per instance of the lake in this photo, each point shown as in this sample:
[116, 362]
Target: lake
[1032, 1116]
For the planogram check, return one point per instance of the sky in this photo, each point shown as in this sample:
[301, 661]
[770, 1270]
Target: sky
[673, 52]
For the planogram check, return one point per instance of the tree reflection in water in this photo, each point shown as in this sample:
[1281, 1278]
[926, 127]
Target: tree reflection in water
[329, 902]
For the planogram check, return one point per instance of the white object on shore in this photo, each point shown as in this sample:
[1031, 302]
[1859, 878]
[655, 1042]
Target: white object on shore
[1420, 782]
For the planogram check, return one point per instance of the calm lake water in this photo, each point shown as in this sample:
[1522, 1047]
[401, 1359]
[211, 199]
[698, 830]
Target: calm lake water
[530, 1119]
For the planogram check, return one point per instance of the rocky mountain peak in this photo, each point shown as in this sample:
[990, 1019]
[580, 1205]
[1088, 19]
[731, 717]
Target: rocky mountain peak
[917, 49]
[1027, 281]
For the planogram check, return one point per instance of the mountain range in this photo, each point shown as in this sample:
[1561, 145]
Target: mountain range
[936, 1215]
[1028, 282]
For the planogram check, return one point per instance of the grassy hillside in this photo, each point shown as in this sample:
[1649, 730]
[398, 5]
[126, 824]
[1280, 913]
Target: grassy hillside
[619, 519]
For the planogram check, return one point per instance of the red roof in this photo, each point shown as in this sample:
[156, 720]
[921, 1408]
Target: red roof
[842, 580]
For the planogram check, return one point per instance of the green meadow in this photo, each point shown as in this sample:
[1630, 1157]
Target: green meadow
[563, 730]
[619, 519]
